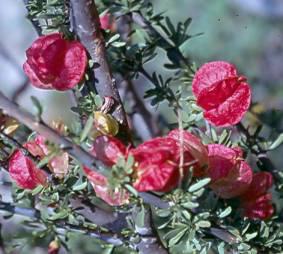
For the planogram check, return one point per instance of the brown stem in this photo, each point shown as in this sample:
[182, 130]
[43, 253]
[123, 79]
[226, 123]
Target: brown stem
[12, 109]
[34, 214]
[139, 107]
[87, 27]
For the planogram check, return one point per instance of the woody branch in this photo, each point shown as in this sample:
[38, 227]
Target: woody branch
[87, 26]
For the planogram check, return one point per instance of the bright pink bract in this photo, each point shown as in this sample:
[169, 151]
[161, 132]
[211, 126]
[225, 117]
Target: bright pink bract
[55, 63]
[24, 172]
[223, 95]
[256, 202]
[230, 174]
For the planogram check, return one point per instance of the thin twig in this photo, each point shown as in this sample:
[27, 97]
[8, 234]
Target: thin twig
[34, 214]
[140, 108]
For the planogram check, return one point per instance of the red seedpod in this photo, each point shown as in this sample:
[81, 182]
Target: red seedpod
[55, 63]
[99, 183]
[108, 149]
[156, 165]
[255, 201]
[58, 164]
[24, 172]
[223, 95]
[260, 208]
[230, 174]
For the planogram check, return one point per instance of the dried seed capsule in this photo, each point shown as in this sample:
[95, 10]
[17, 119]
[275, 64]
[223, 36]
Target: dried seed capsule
[106, 124]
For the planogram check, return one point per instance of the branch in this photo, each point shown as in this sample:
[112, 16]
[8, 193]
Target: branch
[34, 214]
[87, 26]
[139, 107]
[12, 109]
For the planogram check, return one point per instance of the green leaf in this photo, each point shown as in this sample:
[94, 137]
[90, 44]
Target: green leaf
[114, 38]
[37, 190]
[118, 44]
[98, 101]
[277, 142]
[87, 128]
[174, 240]
[225, 213]
[132, 190]
[61, 215]
[37, 105]
[248, 237]
[221, 248]
[190, 205]
[140, 217]
[80, 187]
[200, 184]
[164, 213]
[203, 224]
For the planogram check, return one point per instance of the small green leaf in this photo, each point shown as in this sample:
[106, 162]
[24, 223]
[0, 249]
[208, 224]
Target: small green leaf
[248, 237]
[221, 248]
[37, 190]
[203, 224]
[132, 190]
[140, 217]
[61, 215]
[113, 38]
[225, 213]
[164, 213]
[118, 44]
[37, 105]
[98, 101]
[173, 241]
[277, 142]
[87, 128]
[200, 184]
[190, 205]
[80, 187]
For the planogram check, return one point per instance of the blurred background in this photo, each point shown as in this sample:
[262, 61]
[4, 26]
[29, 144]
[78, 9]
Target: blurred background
[248, 33]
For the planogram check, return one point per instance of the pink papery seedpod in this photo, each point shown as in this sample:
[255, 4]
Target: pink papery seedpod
[260, 208]
[230, 174]
[223, 95]
[256, 202]
[24, 171]
[99, 183]
[194, 150]
[58, 164]
[156, 165]
[55, 63]
[108, 149]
